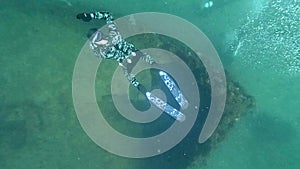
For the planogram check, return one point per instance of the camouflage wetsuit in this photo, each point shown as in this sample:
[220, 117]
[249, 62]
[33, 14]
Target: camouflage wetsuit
[117, 48]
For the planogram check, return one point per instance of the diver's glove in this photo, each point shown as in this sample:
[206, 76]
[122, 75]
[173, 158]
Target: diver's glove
[86, 17]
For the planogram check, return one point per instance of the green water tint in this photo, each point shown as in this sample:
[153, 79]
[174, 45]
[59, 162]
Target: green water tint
[274, 34]
[39, 128]
[181, 156]
[43, 130]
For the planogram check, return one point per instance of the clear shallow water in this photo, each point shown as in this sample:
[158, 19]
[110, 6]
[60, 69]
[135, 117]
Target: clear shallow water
[40, 44]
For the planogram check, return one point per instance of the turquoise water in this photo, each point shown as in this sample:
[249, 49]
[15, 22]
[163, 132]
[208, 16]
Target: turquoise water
[258, 42]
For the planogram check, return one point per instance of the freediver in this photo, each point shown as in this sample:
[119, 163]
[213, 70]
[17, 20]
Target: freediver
[113, 46]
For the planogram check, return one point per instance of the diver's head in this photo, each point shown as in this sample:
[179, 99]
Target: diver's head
[96, 36]
[84, 16]
[91, 32]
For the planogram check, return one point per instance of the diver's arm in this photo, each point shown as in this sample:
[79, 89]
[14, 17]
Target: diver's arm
[95, 15]
[112, 28]
[103, 15]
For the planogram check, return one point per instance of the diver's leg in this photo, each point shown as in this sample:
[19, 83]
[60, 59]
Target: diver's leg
[130, 77]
